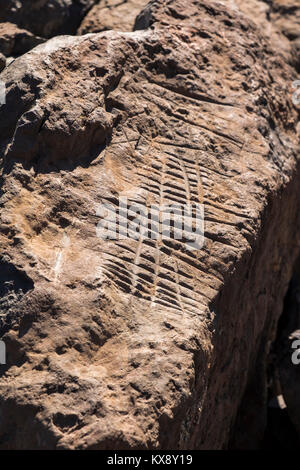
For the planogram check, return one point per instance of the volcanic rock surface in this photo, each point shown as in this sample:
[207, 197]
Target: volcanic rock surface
[144, 343]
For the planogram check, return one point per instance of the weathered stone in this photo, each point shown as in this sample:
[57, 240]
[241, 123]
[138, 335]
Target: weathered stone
[45, 18]
[112, 14]
[289, 377]
[285, 16]
[138, 344]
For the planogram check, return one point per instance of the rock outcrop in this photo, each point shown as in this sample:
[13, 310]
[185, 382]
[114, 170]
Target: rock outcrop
[112, 14]
[145, 343]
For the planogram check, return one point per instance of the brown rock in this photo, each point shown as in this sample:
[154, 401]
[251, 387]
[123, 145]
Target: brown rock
[144, 344]
[2, 62]
[15, 41]
[112, 14]
[45, 18]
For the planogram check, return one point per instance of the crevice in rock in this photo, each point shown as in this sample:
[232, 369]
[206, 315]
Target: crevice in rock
[283, 429]
[281, 415]
[12, 280]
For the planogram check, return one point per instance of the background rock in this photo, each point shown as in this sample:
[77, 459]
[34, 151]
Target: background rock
[15, 41]
[45, 18]
[112, 14]
[288, 333]
[289, 379]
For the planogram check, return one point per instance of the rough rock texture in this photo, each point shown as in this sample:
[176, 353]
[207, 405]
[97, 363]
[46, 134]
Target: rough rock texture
[280, 22]
[112, 14]
[45, 18]
[15, 41]
[138, 344]
[289, 332]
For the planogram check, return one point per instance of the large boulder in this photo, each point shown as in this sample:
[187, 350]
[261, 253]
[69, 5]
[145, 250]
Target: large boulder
[144, 343]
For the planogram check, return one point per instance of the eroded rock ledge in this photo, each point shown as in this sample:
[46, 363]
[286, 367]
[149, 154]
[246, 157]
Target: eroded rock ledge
[121, 344]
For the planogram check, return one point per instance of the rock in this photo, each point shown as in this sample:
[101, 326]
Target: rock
[285, 16]
[45, 18]
[280, 434]
[15, 41]
[111, 14]
[2, 62]
[289, 368]
[279, 20]
[288, 349]
[134, 344]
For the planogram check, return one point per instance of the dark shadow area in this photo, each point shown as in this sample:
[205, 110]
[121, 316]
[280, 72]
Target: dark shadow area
[283, 428]
[12, 280]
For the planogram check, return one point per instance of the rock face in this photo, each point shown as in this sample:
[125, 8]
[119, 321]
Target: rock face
[112, 14]
[144, 343]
